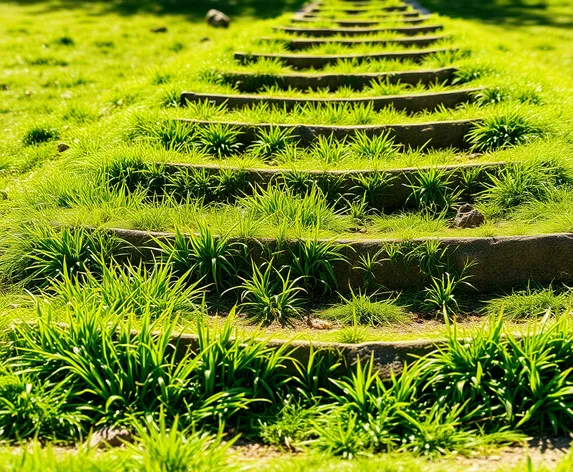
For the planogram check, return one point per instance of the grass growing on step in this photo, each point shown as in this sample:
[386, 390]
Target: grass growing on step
[47, 254]
[268, 296]
[219, 140]
[531, 303]
[525, 183]
[272, 142]
[366, 310]
[284, 207]
[130, 289]
[502, 131]
[202, 258]
[432, 190]
[379, 146]
[167, 446]
[313, 262]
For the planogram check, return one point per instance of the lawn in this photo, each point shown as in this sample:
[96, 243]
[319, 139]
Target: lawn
[287, 178]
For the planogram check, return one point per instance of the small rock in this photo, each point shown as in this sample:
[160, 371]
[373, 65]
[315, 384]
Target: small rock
[28, 93]
[204, 39]
[316, 323]
[159, 29]
[217, 19]
[63, 147]
[111, 437]
[4, 87]
[468, 217]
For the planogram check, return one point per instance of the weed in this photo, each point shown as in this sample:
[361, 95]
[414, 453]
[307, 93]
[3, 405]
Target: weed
[169, 98]
[28, 409]
[441, 294]
[498, 132]
[38, 134]
[368, 264]
[363, 310]
[380, 146]
[51, 253]
[531, 303]
[132, 289]
[269, 296]
[202, 258]
[309, 211]
[328, 150]
[473, 72]
[431, 256]
[193, 183]
[172, 448]
[64, 40]
[173, 135]
[219, 140]
[312, 261]
[291, 428]
[432, 190]
[161, 77]
[490, 96]
[471, 182]
[517, 185]
[387, 87]
[372, 188]
[358, 210]
[271, 142]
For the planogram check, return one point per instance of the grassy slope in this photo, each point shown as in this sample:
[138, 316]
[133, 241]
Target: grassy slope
[120, 77]
[88, 88]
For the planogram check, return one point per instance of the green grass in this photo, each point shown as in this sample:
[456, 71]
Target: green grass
[365, 310]
[112, 94]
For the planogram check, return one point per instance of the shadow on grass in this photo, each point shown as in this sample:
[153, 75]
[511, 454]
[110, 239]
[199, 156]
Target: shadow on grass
[519, 12]
[195, 9]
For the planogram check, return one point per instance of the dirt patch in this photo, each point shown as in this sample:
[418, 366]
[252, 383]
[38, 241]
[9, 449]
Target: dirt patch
[543, 452]
[546, 452]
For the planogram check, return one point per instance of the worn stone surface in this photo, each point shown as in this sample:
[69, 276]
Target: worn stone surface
[432, 135]
[300, 61]
[327, 32]
[300, 44]
[251, 81]
[217, 19]
[410, 103]
[396, 197]
[499, 263]
[110, 437]
[468, 217]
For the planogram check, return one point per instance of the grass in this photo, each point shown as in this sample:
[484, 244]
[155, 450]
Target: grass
[362, 309]
[218, 380]
[118, 360]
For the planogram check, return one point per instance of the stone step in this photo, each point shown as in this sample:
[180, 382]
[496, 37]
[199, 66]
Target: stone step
[299, 61]
[250, 82]
[424, 135]
[411, 103]
[353, 10]
[397, 196]
[364, 23]
[354, 18]
[327, 32]
[497, 263]
[300, 44]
